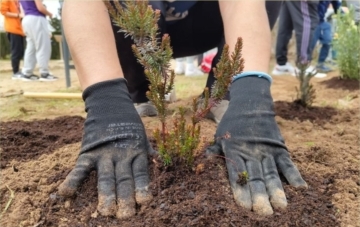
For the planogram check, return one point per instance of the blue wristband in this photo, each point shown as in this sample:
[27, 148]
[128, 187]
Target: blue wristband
[252, 73]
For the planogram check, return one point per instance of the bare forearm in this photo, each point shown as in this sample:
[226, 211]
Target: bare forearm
[252, 25]
[45, 12]
[41, 8]
[91, 41]
[6, 11]
[9, 14]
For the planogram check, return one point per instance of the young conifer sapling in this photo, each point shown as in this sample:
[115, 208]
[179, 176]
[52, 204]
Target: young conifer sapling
[177, 143]
[305, 92]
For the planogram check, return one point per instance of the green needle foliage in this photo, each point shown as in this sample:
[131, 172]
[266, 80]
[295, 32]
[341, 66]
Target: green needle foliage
[347, 45]
[176, 144]
[305, 92]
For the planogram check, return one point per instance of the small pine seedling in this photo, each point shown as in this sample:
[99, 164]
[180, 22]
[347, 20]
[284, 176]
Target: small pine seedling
[139, 21]
[305, 92]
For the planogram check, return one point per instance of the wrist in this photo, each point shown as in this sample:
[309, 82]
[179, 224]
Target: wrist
[111, 114]
[252, 74]
[108, 97]
[250, 89]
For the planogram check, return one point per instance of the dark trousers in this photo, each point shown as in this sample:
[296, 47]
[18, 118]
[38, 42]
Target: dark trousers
[324, 35]
[17, 50]
[197, 33]
[301, 16]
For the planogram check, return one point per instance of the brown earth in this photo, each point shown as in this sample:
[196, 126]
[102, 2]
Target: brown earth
[323, 141]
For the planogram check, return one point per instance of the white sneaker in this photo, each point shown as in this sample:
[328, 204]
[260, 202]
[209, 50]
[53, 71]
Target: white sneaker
[17, 76]
[311, 69]
[171, 96]
[24, 77]
[47, 77]
[217, 112]
[320, 75]
[283, 69]
[146, 109]
[179, 69]
[193, 71]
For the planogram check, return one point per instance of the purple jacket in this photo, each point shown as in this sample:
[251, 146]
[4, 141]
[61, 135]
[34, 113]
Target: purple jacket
[29, 7]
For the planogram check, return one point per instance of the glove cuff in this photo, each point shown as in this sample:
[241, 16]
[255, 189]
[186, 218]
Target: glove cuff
[108, 104]
[252, 106]
[252, 73]
[105, 87]
[251, 91]
[108, 97]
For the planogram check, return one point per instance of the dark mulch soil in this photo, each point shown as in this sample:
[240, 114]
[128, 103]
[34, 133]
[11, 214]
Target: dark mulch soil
[21, 140]
[181, 197]
[344, 84]
[293, 110]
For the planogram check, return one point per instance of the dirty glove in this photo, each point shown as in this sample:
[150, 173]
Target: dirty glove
[115, 145]
[250, 139]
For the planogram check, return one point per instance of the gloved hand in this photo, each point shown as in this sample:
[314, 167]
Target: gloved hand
[250, 139]
[115, 145]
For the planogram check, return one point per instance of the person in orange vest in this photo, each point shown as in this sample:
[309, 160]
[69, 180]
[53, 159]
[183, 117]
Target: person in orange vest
[11, 11]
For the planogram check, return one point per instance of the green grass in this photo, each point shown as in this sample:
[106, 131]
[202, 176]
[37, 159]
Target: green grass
[310, 144]
[22, 108]
[70, 90]
[187, 87]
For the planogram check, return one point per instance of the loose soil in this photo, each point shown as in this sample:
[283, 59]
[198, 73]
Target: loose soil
[323, 142]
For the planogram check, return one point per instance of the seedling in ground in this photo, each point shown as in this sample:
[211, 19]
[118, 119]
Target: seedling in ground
[11, 197]
[176, 144]
[243, 178]
[346, 42]
[305, 92]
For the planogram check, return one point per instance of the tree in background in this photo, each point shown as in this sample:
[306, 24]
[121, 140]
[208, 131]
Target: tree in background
[4, 46]
[347, 45]
[56, 24]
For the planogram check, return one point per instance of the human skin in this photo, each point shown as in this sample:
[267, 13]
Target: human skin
[95, 55]
[256, 35]
[96, 59]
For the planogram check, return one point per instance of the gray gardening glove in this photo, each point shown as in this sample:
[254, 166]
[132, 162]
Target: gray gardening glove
[115, 145]
[250, 139]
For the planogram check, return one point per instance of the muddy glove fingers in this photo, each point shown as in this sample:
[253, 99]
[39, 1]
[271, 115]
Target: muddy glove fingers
[141, 179]
[116, 146]
[255, 144]
[214, 150]
[119, 187]
[253, 183]
[104, 166]
[132, 182]
[273, 183]
[289, 170]
[241, 190]
[106, 183]
[259, 195]
[238, 174]
[235, 166]
[84, 165]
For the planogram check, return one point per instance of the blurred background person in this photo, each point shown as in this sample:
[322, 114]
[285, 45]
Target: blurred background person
[187, 66]
[38, 43]
[12, 24]
[355, 4]
[302, 17]
[323, 33]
